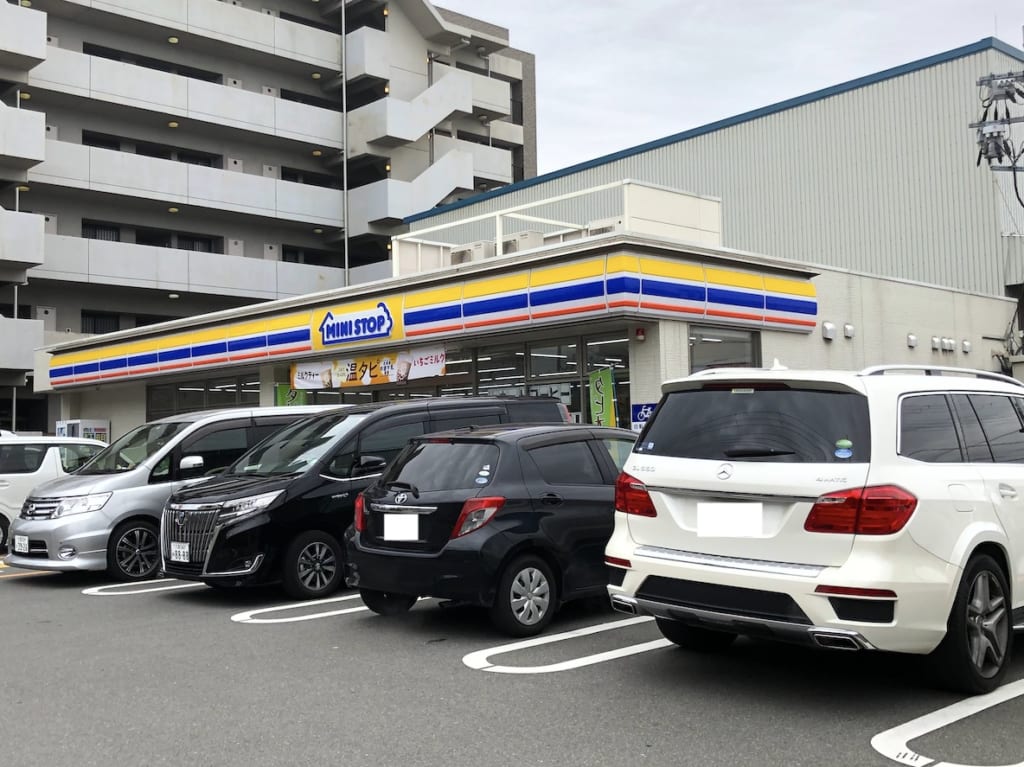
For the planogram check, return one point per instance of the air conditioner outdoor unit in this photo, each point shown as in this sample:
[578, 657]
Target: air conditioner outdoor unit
[477, 251]
[462, 256]
[522, 241]
[604, 226]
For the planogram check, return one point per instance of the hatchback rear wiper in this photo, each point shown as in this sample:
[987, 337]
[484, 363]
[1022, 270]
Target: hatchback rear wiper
[755, 452]
[403, 486]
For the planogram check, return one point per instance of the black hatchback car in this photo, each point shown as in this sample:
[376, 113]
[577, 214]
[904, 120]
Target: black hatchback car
[513, 518]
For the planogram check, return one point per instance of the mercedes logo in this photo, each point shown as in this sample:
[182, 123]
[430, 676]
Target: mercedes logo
[724, 471]
[401, 497]
[180, 518]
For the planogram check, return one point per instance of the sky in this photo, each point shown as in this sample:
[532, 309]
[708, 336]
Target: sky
[612, 74]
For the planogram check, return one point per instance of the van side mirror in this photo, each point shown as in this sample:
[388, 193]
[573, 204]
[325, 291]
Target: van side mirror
[369, 464]
[191, 465]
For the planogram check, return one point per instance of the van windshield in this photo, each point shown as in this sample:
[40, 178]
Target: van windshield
[133, 448]
[296, 448]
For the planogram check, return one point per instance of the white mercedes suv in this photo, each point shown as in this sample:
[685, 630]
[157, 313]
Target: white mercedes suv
[872, 510]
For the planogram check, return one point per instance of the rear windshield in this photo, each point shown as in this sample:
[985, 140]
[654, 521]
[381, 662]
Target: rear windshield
[751, 422]
[430, 466]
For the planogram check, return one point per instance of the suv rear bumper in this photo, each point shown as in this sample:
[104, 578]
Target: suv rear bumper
[776, 601]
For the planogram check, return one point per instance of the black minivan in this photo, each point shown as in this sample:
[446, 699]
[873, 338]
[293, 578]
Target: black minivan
[278, 513]
[514, 518]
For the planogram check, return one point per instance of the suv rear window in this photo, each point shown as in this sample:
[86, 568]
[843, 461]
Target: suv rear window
[753, 422]
[444, 465]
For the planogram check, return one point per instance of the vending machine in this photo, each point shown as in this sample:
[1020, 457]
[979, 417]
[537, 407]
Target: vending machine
[86, 428]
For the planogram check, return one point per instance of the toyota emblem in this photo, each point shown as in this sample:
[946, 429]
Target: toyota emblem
[724, 471]
[180, 518]
[401, 497]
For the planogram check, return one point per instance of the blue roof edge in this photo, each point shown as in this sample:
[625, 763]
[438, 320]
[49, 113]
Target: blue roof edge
[984, 44]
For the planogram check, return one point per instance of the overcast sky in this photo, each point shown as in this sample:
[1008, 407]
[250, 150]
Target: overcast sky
[615, 73]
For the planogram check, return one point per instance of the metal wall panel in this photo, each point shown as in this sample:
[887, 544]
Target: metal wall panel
[880, 180]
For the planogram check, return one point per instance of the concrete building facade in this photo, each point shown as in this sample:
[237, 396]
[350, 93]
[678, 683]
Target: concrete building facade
[167, 158]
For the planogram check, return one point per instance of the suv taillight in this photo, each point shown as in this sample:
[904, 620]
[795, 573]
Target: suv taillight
[476, 512]
[878, 510]
[631, 497]
[564, 410]
[360, 520]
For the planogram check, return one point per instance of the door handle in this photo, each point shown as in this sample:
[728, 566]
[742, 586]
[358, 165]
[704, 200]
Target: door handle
[1007, 491]
[551, 499]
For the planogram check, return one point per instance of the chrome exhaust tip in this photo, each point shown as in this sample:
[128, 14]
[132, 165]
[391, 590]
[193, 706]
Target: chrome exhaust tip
[625, 605]
[830, 640]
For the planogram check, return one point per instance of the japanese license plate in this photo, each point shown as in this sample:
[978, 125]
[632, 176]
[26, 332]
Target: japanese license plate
[401, 527]
[21, 544]
[179, 551]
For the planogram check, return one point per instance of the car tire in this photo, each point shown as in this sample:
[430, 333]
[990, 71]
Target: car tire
[5, 529]
[313, 565]
[526, 598]
[133, 551]
[974, 656]
[387, 602]
[693, 637]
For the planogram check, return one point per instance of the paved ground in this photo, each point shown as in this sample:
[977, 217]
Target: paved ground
[96, 674]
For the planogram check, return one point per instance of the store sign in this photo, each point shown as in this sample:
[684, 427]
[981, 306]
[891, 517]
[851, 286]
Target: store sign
[602, 397]
[363, 325]
[369, 369]
[639, 414]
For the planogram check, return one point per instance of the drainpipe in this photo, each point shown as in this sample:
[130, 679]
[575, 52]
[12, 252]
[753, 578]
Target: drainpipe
[344, 136]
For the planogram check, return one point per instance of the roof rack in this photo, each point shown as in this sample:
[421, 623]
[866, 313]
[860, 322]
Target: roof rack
[938, 370]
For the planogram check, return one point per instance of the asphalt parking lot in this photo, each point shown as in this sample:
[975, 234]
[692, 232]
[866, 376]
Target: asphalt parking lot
[171, 673]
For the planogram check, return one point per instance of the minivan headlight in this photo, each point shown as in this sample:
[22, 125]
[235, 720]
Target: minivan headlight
[244, 507]
[79, 504]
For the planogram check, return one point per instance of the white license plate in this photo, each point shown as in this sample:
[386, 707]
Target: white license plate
[401, 527]
[730, 520]
[179, 551]
[21, 544]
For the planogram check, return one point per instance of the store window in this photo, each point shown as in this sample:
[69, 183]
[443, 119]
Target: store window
[501, 370]
[163, 400]
[550, 359]
[712, 347]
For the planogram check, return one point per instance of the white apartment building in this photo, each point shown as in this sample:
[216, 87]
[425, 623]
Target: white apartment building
[166, 158]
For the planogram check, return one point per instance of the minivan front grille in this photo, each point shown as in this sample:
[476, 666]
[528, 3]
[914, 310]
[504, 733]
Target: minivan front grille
[193, 524]
[39, 508]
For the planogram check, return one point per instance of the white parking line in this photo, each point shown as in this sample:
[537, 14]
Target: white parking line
[128, 589]
[893, 742]
[480, 660]
[249, 615]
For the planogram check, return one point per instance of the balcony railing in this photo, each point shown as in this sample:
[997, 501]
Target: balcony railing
[21, 244]
[22, 37]
[22, 140]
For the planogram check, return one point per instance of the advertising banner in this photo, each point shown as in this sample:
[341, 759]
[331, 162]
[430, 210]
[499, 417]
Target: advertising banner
[285, 395]
[369, 369]
[602, 397]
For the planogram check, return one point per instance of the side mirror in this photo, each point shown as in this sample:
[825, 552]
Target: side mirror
[191, 465]
[369, 464]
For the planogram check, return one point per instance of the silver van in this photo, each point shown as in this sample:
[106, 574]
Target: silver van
[106, 516]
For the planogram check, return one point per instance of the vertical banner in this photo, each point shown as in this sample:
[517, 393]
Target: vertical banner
[286, 395]
[602, 397]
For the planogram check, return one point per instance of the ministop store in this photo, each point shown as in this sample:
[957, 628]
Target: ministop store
[629, 307]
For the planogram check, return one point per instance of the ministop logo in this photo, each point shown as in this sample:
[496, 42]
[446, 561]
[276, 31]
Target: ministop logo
[356, 326]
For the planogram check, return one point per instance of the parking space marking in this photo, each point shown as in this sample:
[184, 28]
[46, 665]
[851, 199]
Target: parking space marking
[129, 589]
[893, 742]
[249, 615]
[480, 660]
[23, 574]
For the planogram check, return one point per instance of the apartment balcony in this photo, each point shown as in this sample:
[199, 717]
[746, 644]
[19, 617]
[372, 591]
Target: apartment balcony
[130, 85]
[232, 24]
[21, 245]
[390, 200]
[498, 130]
[22, 39]
[180, 184]
[506, 66]
[17, 352]
[368, 54]
[22, 141]
[75, 259]
[489, 162]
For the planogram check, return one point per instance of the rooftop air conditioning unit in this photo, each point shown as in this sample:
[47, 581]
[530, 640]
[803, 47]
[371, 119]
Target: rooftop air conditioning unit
[478, 251]
[462, 256]
[604, 226]
[522, 241]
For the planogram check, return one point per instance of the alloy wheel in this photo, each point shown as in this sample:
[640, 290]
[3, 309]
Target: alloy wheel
[530, 596]
[988, 624]
[317, 566]
[136, 552]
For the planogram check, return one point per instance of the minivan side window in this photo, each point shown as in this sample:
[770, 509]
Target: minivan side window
[1002, 426]
[218, 448]
[619, 450]
[567, 463]
[927, 432]
[388, 441]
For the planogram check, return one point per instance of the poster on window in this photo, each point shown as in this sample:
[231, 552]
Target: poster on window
[370, 369]
[602, 397]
